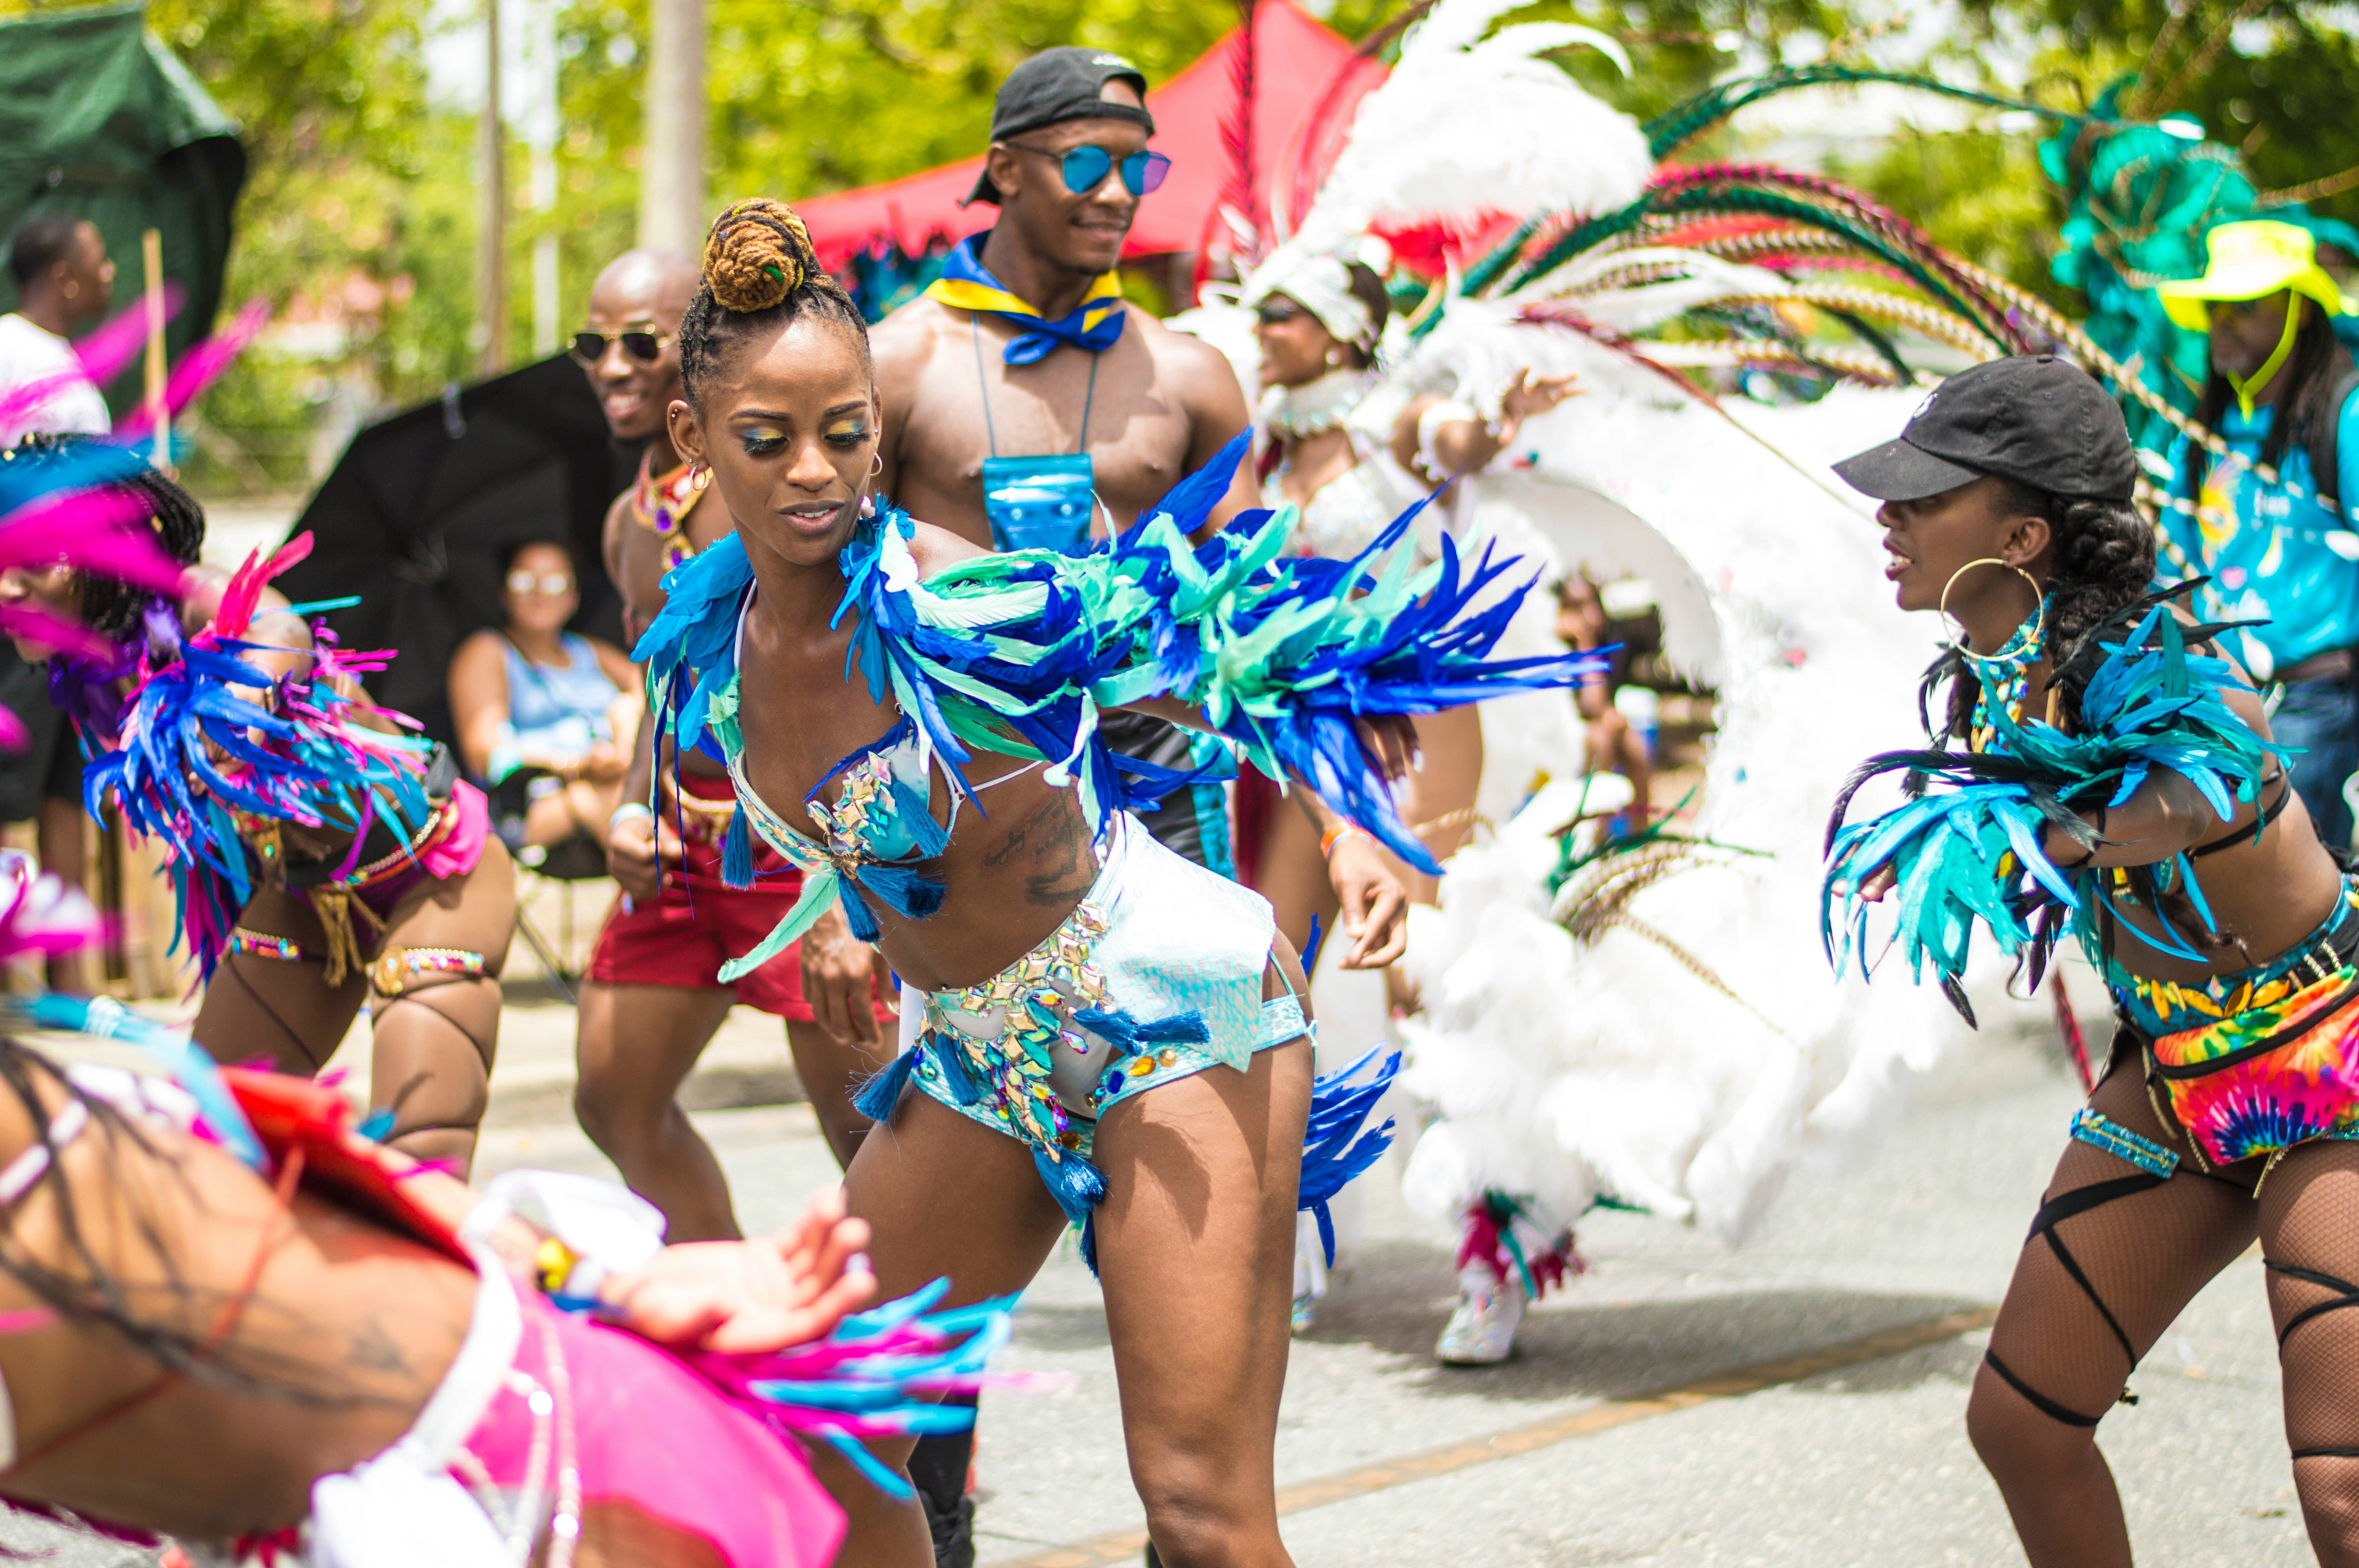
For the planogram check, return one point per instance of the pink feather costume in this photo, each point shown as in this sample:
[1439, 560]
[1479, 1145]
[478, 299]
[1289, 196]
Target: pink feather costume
[545, 1415]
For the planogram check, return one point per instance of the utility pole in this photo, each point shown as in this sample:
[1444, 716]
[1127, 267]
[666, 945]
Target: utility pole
[671, 167]
[492, 210]
[540, 45]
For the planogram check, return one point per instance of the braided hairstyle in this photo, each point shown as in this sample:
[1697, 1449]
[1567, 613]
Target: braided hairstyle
[110, 607]
[117, 609]
[760, 273]
[2101, 556]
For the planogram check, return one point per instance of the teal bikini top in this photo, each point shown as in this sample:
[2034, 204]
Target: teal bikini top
[872, 836]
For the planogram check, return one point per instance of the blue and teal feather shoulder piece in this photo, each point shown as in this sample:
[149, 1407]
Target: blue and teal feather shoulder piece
[690, 647]
[1020, 652]
[1965, 847]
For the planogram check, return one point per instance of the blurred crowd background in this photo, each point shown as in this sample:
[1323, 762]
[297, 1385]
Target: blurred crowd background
[359, 220]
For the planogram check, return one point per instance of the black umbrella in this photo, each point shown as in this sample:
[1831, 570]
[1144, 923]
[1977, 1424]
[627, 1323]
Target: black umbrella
[416, 512]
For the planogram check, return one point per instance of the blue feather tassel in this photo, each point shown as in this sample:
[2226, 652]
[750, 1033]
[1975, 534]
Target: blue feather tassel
[881, 1094]
[915, 817]
[1126, 1034]
[957, 1076]
[737, 852]
[1336, 1145]
[908, 891]
[856, 913]
[1076, 1185]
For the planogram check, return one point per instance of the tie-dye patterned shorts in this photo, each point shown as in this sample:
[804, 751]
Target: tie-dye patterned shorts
[2275, 1074]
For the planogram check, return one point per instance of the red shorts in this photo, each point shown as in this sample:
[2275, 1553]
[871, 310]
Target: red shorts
[701, 923]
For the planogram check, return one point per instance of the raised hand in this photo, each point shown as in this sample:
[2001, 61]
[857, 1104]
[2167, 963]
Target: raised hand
[1528, 399]
[739, 1297]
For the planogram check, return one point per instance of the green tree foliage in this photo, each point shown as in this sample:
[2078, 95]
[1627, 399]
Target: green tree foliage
[342, 217]
[2272, 78]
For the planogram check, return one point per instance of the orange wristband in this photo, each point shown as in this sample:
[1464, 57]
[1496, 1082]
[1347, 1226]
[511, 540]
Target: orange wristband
[1337, 834]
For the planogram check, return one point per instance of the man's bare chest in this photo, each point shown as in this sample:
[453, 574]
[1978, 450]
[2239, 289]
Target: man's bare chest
[1136, 436]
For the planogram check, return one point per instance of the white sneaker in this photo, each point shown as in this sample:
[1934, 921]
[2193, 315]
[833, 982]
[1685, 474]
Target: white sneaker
[1481, 1332]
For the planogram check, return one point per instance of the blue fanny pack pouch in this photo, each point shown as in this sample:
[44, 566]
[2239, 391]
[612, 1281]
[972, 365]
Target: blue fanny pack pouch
[1039, 502]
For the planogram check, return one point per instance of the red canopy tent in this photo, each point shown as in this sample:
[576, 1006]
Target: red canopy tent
[1296, 62]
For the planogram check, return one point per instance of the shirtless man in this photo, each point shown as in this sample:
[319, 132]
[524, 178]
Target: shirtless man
[653, 999]
[1023, 350]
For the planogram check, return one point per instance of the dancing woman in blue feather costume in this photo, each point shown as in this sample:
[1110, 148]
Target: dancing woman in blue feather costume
[2119, 786]
[1111, 1036]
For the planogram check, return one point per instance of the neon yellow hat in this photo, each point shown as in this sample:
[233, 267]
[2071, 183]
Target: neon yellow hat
[2247, 261]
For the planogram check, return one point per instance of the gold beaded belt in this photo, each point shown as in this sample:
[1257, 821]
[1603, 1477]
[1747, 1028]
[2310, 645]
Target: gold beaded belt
[336, 901]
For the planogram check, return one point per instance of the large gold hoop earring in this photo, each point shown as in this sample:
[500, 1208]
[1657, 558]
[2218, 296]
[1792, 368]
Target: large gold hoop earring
[877, 466]
[2039, 601]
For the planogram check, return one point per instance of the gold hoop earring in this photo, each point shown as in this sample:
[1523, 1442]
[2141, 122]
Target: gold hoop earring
[877, 466]
[2039, 602]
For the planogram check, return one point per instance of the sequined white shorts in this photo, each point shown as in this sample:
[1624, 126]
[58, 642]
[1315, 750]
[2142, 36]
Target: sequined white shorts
[1156, 974]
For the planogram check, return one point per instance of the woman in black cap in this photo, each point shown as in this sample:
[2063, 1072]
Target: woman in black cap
[2119, 783]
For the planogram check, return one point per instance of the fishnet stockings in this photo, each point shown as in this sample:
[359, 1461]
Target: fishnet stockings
[2113, 1257]
[2309, 1234]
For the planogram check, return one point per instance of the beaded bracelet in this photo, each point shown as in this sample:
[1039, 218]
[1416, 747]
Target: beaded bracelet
[1337, 834]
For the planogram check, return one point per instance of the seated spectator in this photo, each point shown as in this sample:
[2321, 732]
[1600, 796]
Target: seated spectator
[536, 702]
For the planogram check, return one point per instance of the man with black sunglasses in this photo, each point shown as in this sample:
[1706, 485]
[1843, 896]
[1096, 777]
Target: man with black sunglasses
[654, 998]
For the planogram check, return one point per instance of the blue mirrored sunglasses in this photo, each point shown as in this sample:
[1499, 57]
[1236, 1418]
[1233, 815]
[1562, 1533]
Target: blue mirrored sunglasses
[1086, 169]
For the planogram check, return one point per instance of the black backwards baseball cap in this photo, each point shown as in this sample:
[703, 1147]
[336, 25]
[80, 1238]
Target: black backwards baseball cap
[2033, 418]
[1054, 86]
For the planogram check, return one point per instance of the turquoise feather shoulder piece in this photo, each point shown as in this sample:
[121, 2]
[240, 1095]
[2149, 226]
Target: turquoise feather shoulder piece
[1965, 848]
[1021, 653]
[690, 647]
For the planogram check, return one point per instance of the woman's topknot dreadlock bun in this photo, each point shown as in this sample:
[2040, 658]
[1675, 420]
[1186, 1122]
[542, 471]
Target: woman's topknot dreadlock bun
[760, 272]
[757, 254]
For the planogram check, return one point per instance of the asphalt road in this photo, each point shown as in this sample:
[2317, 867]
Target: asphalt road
[1862, 1463]
[1797, 1401]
